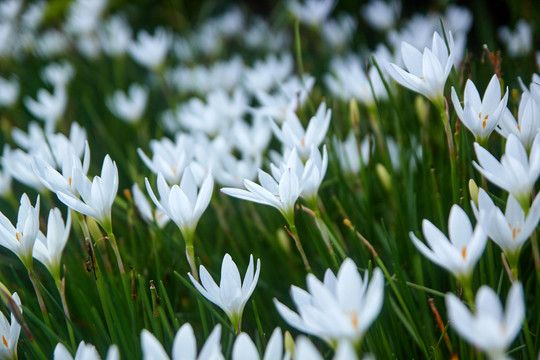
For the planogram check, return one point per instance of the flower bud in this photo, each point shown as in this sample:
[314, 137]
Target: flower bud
[473, 191]
[384, 177]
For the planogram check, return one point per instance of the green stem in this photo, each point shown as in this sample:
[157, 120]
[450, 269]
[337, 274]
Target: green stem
[39, 296]
[112, 241]
[467, 290]
[190, 253]
[451, 150]
[294, 234]
[61, 286]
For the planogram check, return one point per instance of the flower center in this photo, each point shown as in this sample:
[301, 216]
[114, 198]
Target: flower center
[69, 180]
[485, 119]
[17, 236]
[303, 142]
[353, 315]
[4, 341]
[515, 231]
[464, 252]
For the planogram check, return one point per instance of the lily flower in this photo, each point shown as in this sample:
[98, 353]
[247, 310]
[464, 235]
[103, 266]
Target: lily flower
[48, 250]
[48, 107]
[515, 173]
[527, 124]
[426, 72]
[231, 295]
[21, 239]
[490, 328]
[184, 345]
[150, 51]
[245, 349]
[129, 107]
[85, 351]
[147, 213]
[10, 332]
[458, 255]
[481, 117]
[339, 309]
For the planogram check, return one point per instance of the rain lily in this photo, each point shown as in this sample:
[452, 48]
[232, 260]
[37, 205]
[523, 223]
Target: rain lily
[458, 255]
[48, 250]
[147, 213]
[380, 14]
[10, 332]
[85, 351]
[184, 345]
[129, 107]
[426, 72]
[528, 121]
[311, 12]
[490, 328]
[305, 350]
[48, 107]
[293, 134]
[115, 36]
[231, 295]
[340, 308]
[9, 91]
[481, 117]
[150, 51]
[245, 349]
[58, 74]
[21, 239]
[515, 173]
[518, 42]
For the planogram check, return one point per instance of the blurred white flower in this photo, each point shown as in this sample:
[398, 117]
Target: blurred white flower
[517, 42]
[265, 74]
[48, 249]
[9, 91]
[150, 51]
[490, 328]
[51, 43]
[48, 107]
[85, 351]
[147, 213]
[232, 294]
[350, 157]
[311, 12]
[426, 72]
[10, 9]
[461, 252]
[305, 350]
[245, 349]
[84, 16]
[115, 36]
[516, 172]
[338, 32]
[527, 125]
[10, 332]
[339, 309]
[381, 15]
[231, 171]
[184, 345]
[129, 107]
[481, 116]
[33, 16]
[292, 134]
[58, 74]
[20, 239]
[183, 204]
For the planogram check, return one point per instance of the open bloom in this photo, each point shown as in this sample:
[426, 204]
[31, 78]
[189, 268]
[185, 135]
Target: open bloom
[481, 116]
[182, 203]
[48, 250]
[340, 308]
[150, 51]
[129, 107]
[245, 349]
[527, 124]
[147, 213]
[85, 351]
[10, 332]
[231, 295]
[293, 134]
[312, 12]
[184, 345]
[461, 252]
[21, 239]
[48, 107]
[96, 196]
[426, 72]
[516, 172]
[490, 328]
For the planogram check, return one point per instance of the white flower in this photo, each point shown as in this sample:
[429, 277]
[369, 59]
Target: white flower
[519, 42]
[251, 140]
[48, 107]
[147, 213]
[292, 134]
[9, 91]
[18, 164]
[490, 328]
[513, 228]
[311, 12]
[150, 51]
[340, 308]
[264, 74]
[183, 204]
[282, 195]
[58, 74]
[96, 196]
[85, 351]
[231, 171]
[115, 36]
[245, 349]
[84, 16]
[184, 345]
[48, 250]
[10, 332]
[481, 116]
[460, 254]
[338, 32]
[128, 107]
[528, 123]
[380, 14]
[305, 350]
[231, 295]
[515, 173]
[350, 159]
[21, 239]
[426, 72]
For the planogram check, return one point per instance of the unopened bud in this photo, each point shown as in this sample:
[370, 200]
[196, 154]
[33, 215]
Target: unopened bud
[289, 344]
[127, 194]
[284, 240]
[473, 191]
[384, 177]
[354, 113]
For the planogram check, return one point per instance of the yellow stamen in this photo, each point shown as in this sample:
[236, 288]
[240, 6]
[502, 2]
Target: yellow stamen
[17, 236]
[484, 124]
[480, 115]
[354, 319]
[4, 341]
[519, 129]
[464, 252]
[486, 117]
[303, 142]
[69, 181]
